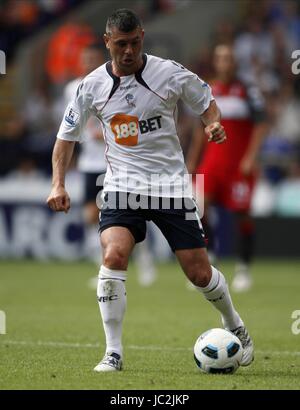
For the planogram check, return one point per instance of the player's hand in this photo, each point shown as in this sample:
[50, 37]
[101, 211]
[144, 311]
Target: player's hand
[59, 200]
[215, 132]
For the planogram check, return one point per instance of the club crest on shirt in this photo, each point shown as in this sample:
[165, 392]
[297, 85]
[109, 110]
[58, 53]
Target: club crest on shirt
[130, 100]
[72, 117]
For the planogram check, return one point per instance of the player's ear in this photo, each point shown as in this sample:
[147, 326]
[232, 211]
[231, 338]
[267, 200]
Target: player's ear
[106, 40]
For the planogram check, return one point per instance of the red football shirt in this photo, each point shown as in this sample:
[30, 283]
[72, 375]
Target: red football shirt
[240, 107]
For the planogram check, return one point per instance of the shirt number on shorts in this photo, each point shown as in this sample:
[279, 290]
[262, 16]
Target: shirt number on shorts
[125, 129]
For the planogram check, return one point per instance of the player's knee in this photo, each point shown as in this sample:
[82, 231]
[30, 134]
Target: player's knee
[200, 276]
[115, 258]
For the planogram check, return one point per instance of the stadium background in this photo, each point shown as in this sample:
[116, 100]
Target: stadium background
[42, 40]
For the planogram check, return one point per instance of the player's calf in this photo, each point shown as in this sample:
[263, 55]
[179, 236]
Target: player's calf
[195, 265]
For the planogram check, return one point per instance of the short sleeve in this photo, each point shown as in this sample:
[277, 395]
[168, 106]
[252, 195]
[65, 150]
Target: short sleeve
[193, 91]
[76, 116]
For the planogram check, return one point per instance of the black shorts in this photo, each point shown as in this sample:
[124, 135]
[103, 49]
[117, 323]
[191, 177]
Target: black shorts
[91, 190]
[177, 218]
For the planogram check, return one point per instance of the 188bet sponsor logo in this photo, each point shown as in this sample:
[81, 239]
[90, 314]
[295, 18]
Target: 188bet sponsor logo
[126, 128]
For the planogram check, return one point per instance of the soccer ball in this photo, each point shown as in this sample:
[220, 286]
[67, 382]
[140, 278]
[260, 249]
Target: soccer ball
[218, 351]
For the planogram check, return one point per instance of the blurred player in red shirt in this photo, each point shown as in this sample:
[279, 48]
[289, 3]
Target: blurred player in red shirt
[230, 169]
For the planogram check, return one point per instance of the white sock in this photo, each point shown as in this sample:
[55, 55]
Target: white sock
[111, 295]
[218, 294]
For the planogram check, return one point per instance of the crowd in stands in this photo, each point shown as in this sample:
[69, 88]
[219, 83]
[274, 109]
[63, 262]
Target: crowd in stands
[19, 19]
[263, 42]
[263, 45]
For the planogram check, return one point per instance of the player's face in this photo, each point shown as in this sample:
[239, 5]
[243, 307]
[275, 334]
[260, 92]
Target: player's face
[224, 62]
[125, 49]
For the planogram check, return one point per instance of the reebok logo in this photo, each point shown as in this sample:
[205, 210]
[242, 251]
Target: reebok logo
[127, 87]
[107, 298]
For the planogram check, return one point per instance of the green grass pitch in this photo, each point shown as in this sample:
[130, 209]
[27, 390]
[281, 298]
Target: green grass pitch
[54, 334]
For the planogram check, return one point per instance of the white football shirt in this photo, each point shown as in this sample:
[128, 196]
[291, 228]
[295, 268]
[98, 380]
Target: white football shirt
[92, 152]
[138, 116]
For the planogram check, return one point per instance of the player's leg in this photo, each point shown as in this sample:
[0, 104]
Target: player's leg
[239, 201]
[117, 245]
[242, 280]
[184, 232]
[121, 228]
[212, 284]
[209, 237]
[207, 195]
[209, 229]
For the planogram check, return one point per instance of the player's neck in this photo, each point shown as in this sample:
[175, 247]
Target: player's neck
[122, 72]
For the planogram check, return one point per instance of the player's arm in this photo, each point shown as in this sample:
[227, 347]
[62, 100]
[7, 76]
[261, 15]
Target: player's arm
[71, 129]
[198, 96]
[196, 146]
[209, 126]
[59, 199]
[211, 119]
